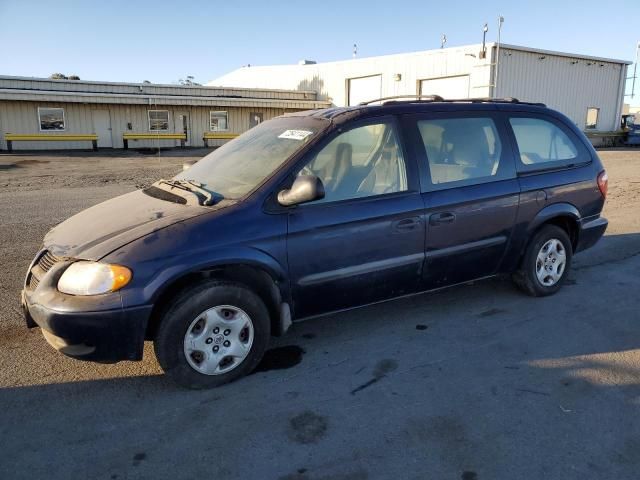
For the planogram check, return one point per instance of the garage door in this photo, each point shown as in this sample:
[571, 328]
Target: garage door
[364, 89]
[446, 87]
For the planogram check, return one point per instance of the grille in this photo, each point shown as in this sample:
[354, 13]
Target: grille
[44, 264]
[47, 261]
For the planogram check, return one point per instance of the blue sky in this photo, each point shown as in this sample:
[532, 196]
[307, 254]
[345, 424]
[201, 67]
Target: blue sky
[164, 41]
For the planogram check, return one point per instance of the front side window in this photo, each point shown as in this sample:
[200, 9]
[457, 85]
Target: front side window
[158, 120]
[361, 162]
[218, 121]
[540, 141]
[51, 119]
[592, 118]
[466, 150]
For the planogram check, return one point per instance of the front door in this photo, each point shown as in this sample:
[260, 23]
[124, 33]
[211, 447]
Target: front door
[471, 195]
[102, 127]
[364, 241]
[182, 126]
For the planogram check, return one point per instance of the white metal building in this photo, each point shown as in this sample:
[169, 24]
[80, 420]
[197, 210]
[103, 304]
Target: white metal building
[589, 90]
[39, 113]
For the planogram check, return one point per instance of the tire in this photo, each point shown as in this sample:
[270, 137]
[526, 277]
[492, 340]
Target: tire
[187, 348]
[527, 278]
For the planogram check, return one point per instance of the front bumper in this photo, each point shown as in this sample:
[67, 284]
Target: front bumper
[591, 230]
[93, 328]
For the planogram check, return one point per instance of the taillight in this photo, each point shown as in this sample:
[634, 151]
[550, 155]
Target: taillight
[603, 183]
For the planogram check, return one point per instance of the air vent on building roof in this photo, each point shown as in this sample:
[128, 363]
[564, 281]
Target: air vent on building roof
[307, 62]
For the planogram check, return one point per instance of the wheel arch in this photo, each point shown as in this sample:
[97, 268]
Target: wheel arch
[563, 215]
[267, 284]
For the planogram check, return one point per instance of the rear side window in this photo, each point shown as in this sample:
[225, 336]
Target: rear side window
[462, 150]
[542, 143]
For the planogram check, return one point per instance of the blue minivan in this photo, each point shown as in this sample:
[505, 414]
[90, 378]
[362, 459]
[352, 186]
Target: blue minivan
[312, 213]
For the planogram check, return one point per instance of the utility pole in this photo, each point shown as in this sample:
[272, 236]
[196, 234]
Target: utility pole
[497, 67]
[443, 40]
[485, 29]
[635, 71]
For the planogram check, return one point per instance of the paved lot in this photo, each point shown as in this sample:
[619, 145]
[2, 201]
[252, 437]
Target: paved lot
[475, 383]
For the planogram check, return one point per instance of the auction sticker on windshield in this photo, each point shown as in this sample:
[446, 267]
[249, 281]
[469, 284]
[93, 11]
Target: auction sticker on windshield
[295, 134]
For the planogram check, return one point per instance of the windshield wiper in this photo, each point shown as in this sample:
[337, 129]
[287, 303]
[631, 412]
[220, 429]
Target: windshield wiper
[205, 197]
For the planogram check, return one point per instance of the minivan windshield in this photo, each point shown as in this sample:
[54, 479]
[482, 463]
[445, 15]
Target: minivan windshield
[240, 165]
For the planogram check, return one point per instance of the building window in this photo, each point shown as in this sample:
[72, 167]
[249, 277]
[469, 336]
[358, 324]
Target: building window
[218, 121]
[592, 117]
[254, 119]
[51, 119]
[158, 120]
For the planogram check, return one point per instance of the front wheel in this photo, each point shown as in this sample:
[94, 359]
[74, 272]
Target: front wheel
[546, 262]
[212, 334]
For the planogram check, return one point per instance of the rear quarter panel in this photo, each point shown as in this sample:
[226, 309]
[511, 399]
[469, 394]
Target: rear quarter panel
[544, 195]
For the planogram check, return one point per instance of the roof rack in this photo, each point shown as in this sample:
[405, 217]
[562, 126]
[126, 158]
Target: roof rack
[438, 98]
[427, 98]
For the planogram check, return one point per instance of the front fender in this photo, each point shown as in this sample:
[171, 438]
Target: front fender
[161, 274]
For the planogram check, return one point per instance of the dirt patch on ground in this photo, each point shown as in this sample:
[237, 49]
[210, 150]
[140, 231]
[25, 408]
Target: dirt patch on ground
[44, 171]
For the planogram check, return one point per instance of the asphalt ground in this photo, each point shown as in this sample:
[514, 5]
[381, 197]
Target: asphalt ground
[476, 382]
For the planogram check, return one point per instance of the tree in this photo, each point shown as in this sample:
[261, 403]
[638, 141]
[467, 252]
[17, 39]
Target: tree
[62, 76]
[188, 81]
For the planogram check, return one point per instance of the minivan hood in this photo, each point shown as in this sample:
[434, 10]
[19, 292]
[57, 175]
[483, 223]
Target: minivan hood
[99, 230]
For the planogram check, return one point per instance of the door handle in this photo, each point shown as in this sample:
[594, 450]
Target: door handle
[441, 218]
[407, 224]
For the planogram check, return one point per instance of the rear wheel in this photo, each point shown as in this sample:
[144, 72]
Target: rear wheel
[546, 262]
[212, 334]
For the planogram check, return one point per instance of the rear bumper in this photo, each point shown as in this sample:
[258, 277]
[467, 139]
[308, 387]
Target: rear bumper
[102, 336]
[591, 230]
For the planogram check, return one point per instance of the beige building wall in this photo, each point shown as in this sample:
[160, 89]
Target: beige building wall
[568, 84]
[21, 117]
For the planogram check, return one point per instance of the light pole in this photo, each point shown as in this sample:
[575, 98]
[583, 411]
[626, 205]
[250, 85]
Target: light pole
[635, 71]
[495, 76]
[485, 29]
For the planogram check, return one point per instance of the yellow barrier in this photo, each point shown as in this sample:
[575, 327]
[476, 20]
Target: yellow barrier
[50, 137]
[217, 136]
[153, 136]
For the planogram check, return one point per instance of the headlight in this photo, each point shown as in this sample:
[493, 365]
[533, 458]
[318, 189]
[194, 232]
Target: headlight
[93, 278]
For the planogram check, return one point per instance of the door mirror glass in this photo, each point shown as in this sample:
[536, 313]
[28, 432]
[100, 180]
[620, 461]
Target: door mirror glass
[305, 188]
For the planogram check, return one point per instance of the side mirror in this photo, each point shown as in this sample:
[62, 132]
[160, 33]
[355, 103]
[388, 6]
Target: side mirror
[188, 164]
[305, 188]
